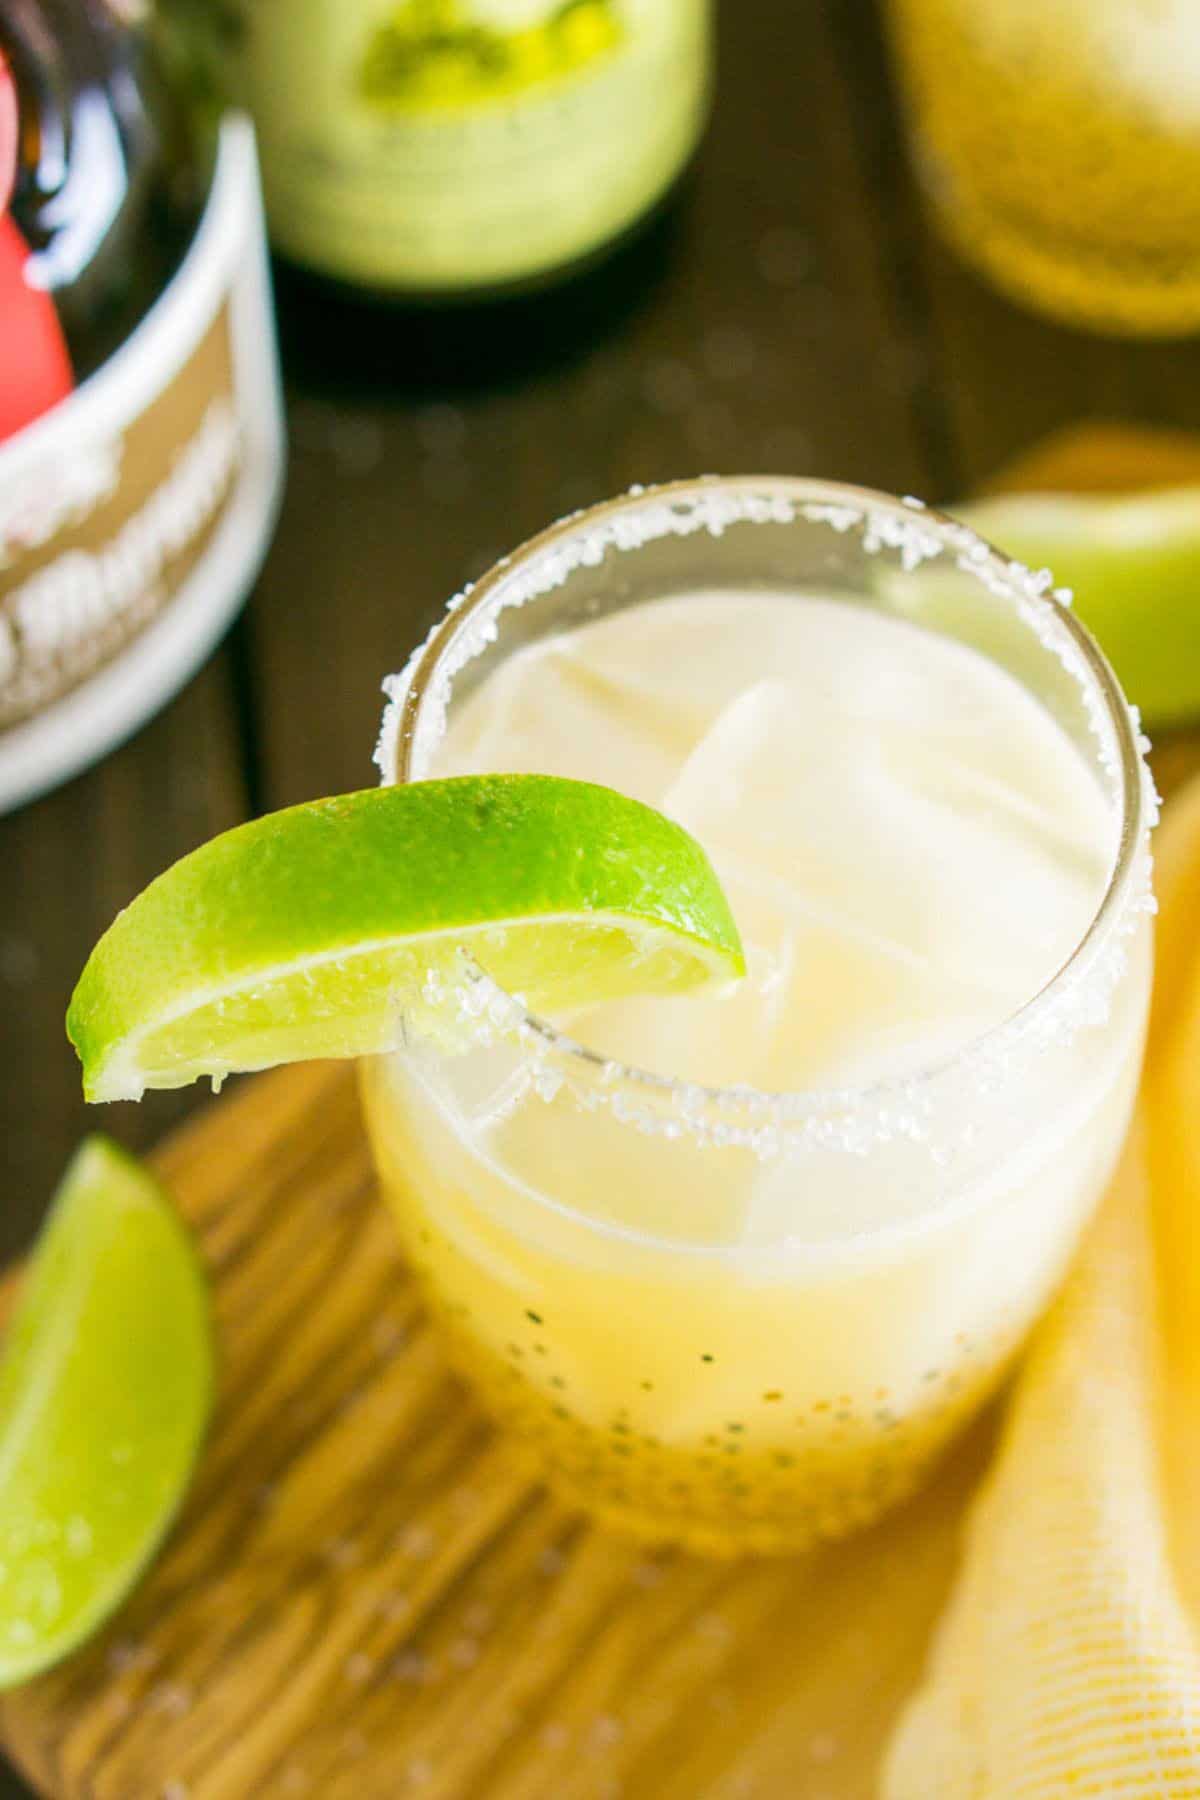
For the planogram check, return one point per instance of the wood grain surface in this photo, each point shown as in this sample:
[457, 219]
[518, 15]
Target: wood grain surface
[369, 1596]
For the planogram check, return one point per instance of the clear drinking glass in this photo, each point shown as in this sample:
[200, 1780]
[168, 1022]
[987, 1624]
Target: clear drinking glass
[581, 1227]
[1059, 146]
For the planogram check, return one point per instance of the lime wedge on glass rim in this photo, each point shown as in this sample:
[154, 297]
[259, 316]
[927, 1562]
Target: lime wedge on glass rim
[307, 933]
[1132, 562]
[105, 1389]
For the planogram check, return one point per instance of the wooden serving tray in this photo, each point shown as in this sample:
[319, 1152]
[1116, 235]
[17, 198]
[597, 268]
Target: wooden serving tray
[370, 1596]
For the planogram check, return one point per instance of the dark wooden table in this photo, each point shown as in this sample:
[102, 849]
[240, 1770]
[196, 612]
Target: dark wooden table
[796, 317]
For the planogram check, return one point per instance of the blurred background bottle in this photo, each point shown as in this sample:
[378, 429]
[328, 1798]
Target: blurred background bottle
[1059, 146]
[140, 439]
[460, 153]
[101, 187]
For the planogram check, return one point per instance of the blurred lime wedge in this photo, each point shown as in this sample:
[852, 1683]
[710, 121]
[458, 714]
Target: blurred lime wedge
[304, 933]
[105, 1386]
[1133, 563]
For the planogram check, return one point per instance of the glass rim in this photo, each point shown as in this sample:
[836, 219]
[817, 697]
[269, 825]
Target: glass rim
[719, 1108]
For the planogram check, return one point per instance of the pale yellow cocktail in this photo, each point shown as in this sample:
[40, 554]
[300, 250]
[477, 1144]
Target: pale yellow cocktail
[1059, 147]
[739, 1267]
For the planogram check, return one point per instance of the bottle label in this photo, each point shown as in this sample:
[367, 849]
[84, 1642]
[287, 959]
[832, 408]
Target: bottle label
[133, 515]
[35, 370]
[446, 145]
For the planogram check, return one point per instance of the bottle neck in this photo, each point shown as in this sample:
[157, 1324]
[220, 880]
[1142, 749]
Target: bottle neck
[86, 138]
[105, 186]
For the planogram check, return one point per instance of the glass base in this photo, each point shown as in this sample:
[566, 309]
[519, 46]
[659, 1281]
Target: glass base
[1092, 290]
[817, 1478]
[786, 1474]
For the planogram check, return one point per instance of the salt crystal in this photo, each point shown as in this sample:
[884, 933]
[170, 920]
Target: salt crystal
[341, 1553]
[784, 257]
[410, 1666]
[394, 1607]
[728, 352]
[670, 386]
[605, 1732]
[416, 1541]
[171, 1698]
[18, 962]
[442, 429]
[712, 1626]
[357, 445]
[388, 1334]
[79, 1536]
[464, 1652]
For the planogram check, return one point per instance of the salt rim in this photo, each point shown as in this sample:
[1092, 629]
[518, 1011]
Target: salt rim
[853, 1121]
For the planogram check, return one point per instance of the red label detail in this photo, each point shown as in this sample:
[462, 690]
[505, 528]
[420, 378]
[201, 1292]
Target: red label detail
[9, 134]
[35, 369]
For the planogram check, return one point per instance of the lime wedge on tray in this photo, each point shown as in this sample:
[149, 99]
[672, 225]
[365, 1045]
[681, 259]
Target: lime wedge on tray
[304, 933]
[1133, 563]
[105, 1387]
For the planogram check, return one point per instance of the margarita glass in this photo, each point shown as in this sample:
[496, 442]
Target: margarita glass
[1059, 147]
[736, 1265]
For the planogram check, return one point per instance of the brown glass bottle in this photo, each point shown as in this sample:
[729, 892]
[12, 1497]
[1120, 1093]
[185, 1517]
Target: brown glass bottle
[140, 441]
[104, 182]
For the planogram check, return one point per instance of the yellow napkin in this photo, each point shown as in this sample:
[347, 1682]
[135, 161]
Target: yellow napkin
[1068, 1662]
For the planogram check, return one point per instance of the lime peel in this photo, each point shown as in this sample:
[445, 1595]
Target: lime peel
[312, 931]
[1133, 564]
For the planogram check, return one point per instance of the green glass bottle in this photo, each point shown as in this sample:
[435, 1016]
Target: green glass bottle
[443, 149]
